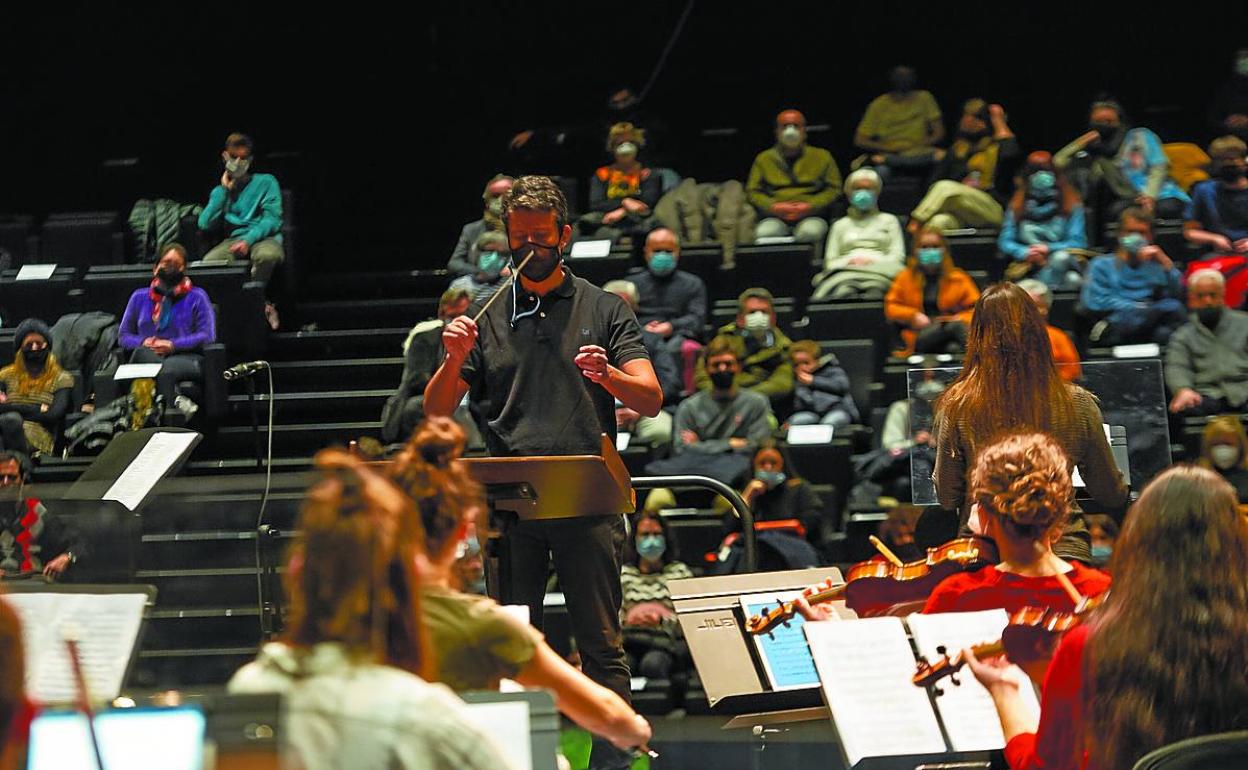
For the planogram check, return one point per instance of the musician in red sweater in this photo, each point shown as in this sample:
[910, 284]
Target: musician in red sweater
[1163, 659]
[1022, 490]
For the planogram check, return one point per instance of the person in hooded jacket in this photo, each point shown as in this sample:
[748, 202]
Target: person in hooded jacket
[1043, 221]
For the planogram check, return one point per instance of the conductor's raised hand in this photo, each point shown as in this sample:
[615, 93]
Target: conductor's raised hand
[458, 338]
[592, 361]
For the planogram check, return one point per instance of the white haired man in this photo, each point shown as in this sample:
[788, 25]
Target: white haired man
[1207, 358]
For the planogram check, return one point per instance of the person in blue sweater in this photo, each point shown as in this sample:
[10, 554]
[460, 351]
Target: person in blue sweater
[169, 322]
[245, 211]
[1136, 289]
[1043, 220]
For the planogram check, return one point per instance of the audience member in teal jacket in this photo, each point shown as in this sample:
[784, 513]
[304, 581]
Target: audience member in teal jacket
[246, 209]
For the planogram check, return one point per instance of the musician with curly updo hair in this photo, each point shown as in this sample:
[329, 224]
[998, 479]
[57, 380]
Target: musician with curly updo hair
[1021, 491]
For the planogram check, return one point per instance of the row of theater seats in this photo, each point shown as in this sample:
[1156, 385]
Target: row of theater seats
[86, 239]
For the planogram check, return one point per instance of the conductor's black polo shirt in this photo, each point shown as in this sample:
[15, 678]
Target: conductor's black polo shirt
[522, 376]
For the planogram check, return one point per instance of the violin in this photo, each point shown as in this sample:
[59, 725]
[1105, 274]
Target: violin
[871, 587]
[1031, 636]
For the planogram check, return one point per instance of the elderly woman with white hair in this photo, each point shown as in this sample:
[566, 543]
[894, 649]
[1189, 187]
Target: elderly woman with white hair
[865, 248]
[1207, 358]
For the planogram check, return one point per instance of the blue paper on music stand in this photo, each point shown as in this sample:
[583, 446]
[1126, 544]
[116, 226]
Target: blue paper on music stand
[784, 652]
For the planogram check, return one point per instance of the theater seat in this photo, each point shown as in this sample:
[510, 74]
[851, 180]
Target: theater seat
[1208, 752]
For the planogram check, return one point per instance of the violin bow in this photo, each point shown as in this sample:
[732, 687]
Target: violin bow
[1069, 587]
[883, 549]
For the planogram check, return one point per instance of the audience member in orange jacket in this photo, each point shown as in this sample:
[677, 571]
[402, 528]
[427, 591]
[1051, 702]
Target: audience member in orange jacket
[933, 318]
[1065, 355]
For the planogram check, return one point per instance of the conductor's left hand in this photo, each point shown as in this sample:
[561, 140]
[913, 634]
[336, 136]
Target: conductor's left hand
[592, 361]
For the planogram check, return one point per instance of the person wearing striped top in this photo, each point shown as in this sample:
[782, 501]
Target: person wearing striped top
[651, 635]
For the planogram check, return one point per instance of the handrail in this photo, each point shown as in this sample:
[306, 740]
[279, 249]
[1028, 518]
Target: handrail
[723, 490]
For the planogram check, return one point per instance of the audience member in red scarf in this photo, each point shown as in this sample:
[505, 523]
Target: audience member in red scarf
[169, 322]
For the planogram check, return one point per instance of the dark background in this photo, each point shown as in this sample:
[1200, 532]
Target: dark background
[387, 123]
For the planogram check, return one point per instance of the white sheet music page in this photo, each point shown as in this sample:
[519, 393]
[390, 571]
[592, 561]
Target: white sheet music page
[865, 668]
[507, 725]
[149, 466]
[107, 629]
[967, 710]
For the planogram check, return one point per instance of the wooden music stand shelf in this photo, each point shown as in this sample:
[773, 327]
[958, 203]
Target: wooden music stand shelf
[557, 487]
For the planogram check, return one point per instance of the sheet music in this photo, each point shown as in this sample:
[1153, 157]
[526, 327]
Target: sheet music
[967, 710]
[151, 464]
[784, 652]
[865, 668]
[136, 371]
[507, 725]
[35, 272]
[591, 249]
[107, 626]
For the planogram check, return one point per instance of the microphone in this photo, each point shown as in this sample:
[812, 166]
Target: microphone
[244, 370]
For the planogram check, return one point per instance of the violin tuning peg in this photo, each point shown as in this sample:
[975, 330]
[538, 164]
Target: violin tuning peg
[936, 691]
[955, 681]
[942, 650]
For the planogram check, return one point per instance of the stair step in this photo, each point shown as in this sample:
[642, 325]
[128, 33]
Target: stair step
[201, 587]
[393, 283]
[356, 314]
[337, 343]
[177, 669]
[301, 440]
[189, 631]
[225, 549]
[338, 374]
[313, 406]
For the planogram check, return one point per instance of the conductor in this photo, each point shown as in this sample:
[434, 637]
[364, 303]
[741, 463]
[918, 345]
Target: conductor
[546, 363]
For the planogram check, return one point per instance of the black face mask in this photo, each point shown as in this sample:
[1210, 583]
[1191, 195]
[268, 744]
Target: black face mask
[1231, 173]
[1209, 316]
[723, 379]
[35, 358]
[902, 83]
[170, 277]
[1111, 137]
[543, 263]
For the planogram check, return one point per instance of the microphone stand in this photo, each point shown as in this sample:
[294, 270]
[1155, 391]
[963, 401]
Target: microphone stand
[255, 421]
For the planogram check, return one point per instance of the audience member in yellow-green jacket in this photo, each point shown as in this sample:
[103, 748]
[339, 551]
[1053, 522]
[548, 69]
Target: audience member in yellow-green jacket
[793, 185]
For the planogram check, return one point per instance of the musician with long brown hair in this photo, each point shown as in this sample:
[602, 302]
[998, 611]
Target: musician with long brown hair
[473, 642]
[1009, 384]
[354, 653]
[1164, 658]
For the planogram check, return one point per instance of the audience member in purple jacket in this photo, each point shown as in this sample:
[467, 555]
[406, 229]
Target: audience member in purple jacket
[169, 322]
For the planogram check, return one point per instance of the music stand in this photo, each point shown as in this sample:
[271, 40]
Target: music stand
[547, 487]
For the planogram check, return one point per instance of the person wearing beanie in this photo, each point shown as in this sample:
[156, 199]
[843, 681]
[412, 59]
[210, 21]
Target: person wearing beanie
[34, 392]
[169, 322]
